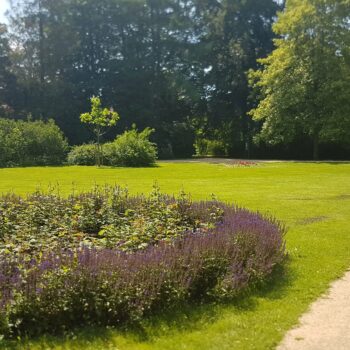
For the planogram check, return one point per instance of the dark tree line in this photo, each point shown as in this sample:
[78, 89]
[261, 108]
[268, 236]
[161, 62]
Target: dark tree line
[179, 66]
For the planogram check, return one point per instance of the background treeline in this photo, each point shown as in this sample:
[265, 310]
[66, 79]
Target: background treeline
[178, 66]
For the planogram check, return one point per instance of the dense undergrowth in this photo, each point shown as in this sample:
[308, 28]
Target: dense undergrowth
[107, 258]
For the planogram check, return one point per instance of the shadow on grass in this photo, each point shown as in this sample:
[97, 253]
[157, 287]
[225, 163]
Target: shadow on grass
[188, 317]
[327, 162]
[102, 167]
[191, 317]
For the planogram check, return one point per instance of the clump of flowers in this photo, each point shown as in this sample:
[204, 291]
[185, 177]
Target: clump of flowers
[191, 251]
[244, 163]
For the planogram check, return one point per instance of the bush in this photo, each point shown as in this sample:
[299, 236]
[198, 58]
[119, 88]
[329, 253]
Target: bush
[131, 149]
[205, 147]
[28, 143]
[83, 155]
[104, 258]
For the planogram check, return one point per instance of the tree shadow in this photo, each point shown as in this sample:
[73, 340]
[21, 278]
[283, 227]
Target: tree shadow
[327, 162]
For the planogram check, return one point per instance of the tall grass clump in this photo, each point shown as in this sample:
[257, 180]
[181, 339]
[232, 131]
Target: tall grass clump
[82, 262]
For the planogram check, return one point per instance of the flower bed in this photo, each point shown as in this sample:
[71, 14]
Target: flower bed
[244, 163]
[105, 258]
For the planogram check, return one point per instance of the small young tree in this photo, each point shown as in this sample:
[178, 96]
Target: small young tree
[100, 119]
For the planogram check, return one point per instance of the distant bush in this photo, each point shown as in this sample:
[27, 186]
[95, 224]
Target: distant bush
[83, 155]
[28, 143]
[104, 258]
[131, 149]
[205, 147]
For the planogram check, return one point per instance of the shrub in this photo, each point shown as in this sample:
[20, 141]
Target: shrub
[83, 155]
[131, 149]
[205, 147]
[59, 268]
[27, 143]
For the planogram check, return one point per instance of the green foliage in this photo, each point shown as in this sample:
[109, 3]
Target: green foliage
[160, 61]
[100, 119]
[82, 155]
[304, 84]
[238, 33]
[25, 143]
[8, 86]
[181, 139]
[102, 218]
[131, 149]
[106, 258]
[205, 147]
[211, 141]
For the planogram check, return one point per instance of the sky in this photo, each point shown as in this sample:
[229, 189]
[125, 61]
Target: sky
[3, 7]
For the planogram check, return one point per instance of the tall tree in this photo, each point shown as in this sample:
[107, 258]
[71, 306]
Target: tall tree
[161, 61]
[8, 87]
[237, 34]
[305, 83]
[28, 37]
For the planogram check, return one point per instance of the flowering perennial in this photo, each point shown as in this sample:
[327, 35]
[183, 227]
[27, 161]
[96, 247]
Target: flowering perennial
[210, 250]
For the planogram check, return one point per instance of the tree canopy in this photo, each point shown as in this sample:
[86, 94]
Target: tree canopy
[160, 61]
[305, 82]
[180, 67]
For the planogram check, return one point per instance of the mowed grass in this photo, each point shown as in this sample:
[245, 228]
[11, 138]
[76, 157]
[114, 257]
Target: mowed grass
[312, 199]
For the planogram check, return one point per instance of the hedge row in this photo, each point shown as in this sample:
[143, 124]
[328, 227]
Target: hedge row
[31, 143]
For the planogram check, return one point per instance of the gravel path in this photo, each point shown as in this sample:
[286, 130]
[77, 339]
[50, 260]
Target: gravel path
[327, 324]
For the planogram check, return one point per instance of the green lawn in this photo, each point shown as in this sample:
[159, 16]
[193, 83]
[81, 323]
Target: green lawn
[312, 199]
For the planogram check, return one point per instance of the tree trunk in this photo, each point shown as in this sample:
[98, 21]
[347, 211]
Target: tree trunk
[98, 154]
[316, 147]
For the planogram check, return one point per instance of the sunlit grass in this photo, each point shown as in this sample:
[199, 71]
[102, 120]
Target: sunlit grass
[312, 199]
